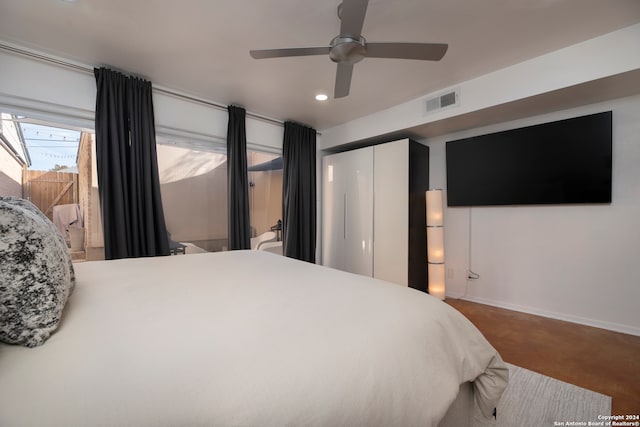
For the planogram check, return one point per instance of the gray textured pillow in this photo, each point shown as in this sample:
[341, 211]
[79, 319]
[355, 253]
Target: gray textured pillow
[36, 274]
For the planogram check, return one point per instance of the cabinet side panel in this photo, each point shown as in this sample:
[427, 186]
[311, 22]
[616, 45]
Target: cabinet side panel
[417, 240]
[391, 219]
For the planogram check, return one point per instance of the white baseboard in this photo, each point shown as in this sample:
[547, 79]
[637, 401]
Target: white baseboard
[616, 327]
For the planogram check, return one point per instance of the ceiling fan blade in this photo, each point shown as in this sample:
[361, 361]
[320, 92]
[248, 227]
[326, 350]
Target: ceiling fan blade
[352, 14]
[296, 51]
[343, 80]
[423, 51]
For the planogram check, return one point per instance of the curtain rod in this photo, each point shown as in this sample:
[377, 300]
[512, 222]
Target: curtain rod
[88, 70]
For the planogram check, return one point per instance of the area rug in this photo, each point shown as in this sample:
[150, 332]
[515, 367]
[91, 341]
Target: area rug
[532, 399]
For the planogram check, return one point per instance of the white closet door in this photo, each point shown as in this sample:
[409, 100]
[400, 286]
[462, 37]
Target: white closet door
[348, 211]
[391, 211]
[358, 211]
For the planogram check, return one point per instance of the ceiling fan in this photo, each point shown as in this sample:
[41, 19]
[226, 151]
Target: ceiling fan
[350, 47]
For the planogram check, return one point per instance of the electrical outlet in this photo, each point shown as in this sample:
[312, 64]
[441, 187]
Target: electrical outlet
[449, 273]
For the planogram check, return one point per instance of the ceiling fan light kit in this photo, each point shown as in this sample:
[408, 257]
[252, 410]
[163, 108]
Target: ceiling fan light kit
[350, 47]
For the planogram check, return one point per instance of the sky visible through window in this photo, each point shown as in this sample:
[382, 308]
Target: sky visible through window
[50, 147]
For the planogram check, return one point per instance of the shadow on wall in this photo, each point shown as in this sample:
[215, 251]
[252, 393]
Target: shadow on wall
[177, 163]
[9, 186]
[195, 208]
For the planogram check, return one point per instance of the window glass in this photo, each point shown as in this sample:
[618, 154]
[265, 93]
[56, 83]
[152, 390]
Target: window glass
[193, 183]
[265, 192]
[51, 148]
[39, 162]
[53, 166]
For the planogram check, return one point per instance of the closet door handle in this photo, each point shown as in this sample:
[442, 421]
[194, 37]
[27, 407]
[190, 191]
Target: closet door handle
[344, 216]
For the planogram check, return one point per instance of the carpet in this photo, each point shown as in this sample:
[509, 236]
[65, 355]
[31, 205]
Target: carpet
[535, 400]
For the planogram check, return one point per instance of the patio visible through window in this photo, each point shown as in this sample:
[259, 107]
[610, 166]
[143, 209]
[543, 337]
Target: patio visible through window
[50, 165]
[265, 192]
[55, 168]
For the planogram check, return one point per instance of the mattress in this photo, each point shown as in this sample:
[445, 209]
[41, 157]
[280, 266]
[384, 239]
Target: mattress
[245, 338]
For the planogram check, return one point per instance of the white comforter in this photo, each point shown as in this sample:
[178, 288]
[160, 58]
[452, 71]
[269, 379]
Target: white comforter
[245, 338]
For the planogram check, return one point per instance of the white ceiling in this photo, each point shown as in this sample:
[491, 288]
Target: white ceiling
[201, 47]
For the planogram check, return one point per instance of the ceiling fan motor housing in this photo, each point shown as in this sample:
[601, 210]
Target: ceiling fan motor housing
[347, 50]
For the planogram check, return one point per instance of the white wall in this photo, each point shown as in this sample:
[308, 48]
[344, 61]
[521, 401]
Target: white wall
[10, 174]
[573, 262]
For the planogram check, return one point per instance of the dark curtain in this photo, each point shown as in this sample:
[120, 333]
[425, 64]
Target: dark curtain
[237, 181]
[299, 192]
[129, 186]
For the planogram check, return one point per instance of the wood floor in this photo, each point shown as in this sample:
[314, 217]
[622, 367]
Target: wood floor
[596, 359]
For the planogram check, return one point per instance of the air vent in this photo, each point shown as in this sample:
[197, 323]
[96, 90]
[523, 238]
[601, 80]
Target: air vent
[445, 100]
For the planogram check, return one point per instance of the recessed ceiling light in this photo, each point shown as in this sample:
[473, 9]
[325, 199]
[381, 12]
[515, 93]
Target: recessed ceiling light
[321, 97]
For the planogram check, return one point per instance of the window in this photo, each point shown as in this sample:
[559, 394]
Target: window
[52, 166]
[265, 191]
[51, 148]
[39, 162]
[193, 182]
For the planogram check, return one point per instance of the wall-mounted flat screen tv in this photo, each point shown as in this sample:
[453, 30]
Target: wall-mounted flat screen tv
[563, 162]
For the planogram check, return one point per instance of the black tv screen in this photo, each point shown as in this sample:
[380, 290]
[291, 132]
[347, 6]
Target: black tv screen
[563, 162]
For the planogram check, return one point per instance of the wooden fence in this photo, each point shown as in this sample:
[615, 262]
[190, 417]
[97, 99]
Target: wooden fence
[48, 189]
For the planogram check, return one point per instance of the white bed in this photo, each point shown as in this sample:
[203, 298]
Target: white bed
[246, 338]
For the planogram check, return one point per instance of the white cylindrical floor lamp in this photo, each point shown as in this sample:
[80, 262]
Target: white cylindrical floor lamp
[435, 243]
